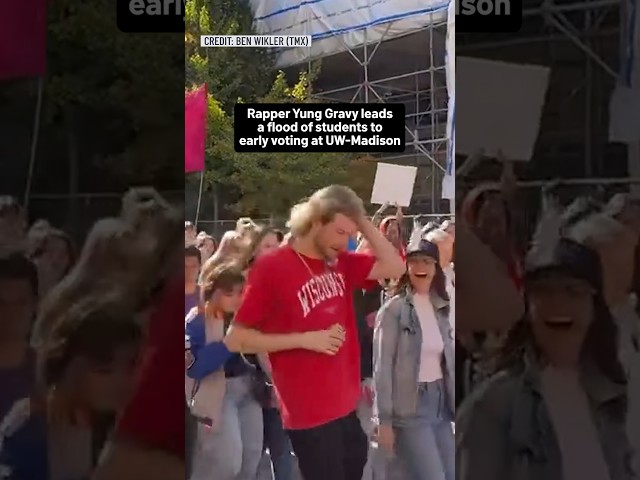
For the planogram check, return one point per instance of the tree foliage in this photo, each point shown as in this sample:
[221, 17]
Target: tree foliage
[106, 84]
[267, 183]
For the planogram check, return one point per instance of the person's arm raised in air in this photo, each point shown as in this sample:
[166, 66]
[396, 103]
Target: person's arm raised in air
[379, 215]
[244, 335]
[389, 263]
[402, 231]
[363, 245]
[491, 300]
[508, 179]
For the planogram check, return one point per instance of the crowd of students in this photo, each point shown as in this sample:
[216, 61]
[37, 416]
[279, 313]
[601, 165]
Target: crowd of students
[331, 350]
[329, 346]
[547, 343]
[74, 340]
[548, 365]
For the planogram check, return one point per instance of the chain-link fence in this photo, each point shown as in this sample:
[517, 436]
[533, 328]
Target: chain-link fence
[566, 191]
[77, 213]
[216, 228]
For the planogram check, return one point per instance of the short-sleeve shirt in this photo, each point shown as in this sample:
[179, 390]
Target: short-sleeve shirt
[288, 293]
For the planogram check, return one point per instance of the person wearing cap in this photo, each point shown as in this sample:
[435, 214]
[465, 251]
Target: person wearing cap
[613, 233]
[414, 362]
[556, 407]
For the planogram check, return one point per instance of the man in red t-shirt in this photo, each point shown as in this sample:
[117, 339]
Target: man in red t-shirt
[298, 307]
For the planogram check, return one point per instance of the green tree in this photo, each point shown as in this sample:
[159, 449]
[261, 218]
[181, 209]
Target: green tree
[272, 182]
[117, 83]
[230, 73]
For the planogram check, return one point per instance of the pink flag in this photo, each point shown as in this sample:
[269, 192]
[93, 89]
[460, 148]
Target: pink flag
[23, 34]
[195, 129]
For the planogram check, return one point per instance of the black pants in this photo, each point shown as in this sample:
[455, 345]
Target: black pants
[334, 451]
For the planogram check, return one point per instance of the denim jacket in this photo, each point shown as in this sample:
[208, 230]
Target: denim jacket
[504, 430]
[397, 347]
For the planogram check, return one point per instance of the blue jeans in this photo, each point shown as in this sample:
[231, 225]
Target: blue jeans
[425, 443]
[233, 450]
[277, 442]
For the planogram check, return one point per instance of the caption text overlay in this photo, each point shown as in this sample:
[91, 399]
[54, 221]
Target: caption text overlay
[348, 127]
[476, 16]
[149, 16]
[259, 41]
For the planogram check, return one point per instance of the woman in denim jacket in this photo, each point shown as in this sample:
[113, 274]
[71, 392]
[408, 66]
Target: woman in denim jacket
[414, 369]
[556, 409]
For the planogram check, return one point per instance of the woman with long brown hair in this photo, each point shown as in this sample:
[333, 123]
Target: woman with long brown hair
[414, 369]
[613, 233]
[557, 406]
[262, 240]
[232, 248]
[219, 386]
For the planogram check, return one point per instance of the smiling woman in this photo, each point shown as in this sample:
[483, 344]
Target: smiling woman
[424, 272]
[414, 367]
[556, 363]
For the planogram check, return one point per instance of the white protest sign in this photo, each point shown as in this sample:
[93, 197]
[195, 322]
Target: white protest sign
[498, 107]
[624, 116]
[393, 184]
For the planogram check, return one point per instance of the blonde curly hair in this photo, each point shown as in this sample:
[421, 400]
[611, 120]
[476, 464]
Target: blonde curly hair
[322, 206]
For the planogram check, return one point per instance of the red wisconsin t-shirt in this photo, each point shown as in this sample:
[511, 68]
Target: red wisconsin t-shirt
[283, 296]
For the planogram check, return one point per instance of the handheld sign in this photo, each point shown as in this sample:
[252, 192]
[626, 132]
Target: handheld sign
[393, 184]
[498, 107]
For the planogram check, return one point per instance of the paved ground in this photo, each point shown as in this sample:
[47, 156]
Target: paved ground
[380, 466]
[264, 472]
